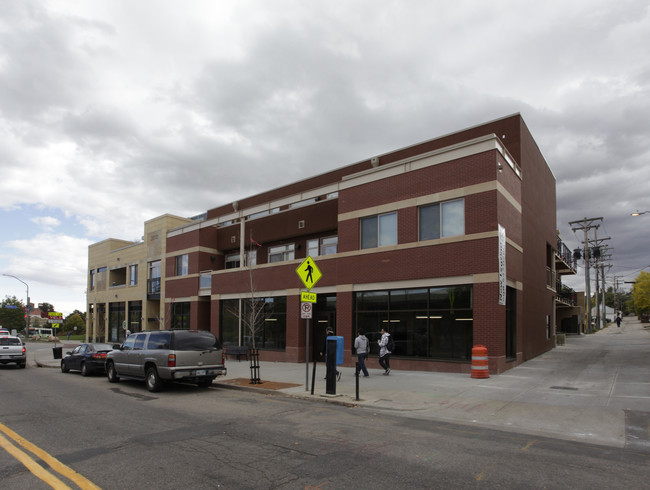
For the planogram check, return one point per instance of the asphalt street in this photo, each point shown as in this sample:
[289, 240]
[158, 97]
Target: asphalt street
[594, 389]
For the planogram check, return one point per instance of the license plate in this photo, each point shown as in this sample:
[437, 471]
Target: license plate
[200, 372]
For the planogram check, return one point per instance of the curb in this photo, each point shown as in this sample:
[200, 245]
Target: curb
[313, 398]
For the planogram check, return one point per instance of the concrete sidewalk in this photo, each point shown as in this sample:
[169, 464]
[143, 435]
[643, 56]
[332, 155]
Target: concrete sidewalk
[594, 389]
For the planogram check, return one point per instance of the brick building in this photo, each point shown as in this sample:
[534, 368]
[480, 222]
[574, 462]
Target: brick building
[448, 244]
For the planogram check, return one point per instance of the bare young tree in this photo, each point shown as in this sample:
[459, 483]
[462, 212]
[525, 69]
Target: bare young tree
[252, 311]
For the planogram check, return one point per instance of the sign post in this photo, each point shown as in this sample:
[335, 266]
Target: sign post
[309, 274]
[55, 319]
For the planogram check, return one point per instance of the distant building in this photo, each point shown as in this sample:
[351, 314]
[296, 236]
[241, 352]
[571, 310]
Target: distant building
[448, 244]
[125, 282]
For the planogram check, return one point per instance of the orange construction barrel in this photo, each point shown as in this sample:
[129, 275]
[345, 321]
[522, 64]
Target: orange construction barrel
[480, 362]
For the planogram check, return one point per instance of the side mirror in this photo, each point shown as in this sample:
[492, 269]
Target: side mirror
[117, 346]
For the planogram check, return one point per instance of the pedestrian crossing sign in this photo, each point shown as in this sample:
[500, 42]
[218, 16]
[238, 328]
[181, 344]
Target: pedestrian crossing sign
[309, 273]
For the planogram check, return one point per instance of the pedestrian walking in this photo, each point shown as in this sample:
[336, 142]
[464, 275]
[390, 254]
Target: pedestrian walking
[384, 353]
[618, 321]
[362, 345]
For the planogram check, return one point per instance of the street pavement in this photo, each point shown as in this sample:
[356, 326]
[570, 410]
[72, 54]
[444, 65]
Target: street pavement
[594, 389]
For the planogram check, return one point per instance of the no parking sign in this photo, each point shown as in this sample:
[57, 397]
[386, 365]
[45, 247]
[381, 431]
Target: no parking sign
[305, 310]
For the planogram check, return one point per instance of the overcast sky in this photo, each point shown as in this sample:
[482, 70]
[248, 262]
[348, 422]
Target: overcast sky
[114, 112]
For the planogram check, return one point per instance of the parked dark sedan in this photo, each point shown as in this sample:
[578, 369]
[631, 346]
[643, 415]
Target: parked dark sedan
[87, 358]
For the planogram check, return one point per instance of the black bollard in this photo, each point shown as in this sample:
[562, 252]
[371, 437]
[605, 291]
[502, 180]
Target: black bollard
[313, 377]
[356, 375]
[330, 386]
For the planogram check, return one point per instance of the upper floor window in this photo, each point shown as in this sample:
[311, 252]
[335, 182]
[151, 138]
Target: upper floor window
[153, 281]
[92, 279]
[133, 275]
[281, 253]
[182, 265]
[379, 230]
[101, 278]
[442, 219]
[322, 246]
[233, 261]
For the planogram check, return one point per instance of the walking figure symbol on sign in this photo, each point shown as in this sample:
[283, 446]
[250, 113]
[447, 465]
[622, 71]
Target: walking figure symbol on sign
[309, 270]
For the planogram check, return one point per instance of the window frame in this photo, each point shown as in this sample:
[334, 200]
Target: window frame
[182, 265]
[286, 251]
[318, 246]
[375, 227]
[445, 228]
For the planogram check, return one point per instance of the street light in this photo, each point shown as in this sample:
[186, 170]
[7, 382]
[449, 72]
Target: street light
[26, 306]
[639, 213]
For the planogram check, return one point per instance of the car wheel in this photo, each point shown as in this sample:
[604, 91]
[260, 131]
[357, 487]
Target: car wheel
[153, 381]
[22, 365]
[64, 368]
[84, 369]
[111, 373]
[204, 383]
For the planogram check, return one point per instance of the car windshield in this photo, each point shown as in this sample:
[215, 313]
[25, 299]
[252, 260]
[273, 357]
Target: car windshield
[195, 340]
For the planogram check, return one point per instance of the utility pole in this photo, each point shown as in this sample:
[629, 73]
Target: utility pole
[585, 225]
[599, 255]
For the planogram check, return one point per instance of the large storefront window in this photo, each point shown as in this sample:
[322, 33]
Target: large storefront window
[181, 315]
[433, 323]
[268, 317]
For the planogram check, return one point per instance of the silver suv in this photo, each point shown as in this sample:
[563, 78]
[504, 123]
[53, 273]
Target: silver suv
[194, 356]
[12, 349]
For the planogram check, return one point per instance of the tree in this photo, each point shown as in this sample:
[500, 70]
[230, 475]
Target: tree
[77, 312]
[641, 294]
[74, 320]
[45, 309]
[12, 314]
[252, 311]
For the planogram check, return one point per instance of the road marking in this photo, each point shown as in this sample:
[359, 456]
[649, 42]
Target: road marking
[530, 443]
[37, 469]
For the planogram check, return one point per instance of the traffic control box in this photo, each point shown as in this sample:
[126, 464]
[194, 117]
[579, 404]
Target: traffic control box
[339, 347]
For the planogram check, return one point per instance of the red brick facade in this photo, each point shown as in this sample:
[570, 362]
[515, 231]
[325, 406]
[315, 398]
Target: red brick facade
[495, 168]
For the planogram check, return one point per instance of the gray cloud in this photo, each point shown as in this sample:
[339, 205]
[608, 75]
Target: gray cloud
[128, 115]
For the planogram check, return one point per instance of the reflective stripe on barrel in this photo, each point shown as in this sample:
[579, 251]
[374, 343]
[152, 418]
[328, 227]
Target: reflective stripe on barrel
[480, 362]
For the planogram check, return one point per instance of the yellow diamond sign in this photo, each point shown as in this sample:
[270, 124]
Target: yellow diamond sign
[309, 273]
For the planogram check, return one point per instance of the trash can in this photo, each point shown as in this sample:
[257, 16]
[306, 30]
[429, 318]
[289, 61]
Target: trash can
[57, 352]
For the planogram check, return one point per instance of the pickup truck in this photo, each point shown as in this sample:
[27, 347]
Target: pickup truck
[12, 350]
[158, 356]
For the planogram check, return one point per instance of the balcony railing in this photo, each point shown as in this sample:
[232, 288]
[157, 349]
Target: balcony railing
[565, 294]
[153, 288]
[565, 254]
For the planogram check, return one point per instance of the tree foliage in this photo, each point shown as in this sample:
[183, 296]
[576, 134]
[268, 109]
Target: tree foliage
[74, 320]
[641, 294]
[45, 309]
[12, 314]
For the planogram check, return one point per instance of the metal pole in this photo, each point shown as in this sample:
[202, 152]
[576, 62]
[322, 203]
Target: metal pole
[587, 278]
[307, 357]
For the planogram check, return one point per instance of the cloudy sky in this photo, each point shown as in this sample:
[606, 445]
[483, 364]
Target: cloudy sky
[114, 112]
